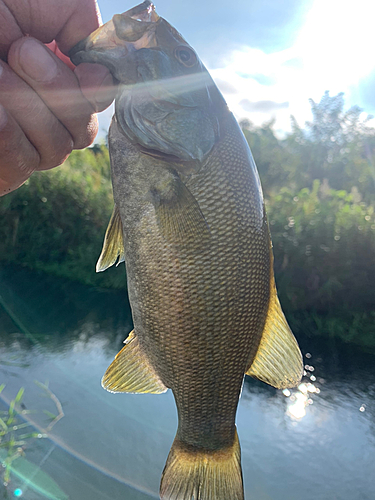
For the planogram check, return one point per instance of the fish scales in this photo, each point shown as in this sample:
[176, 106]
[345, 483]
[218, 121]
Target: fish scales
[190, 223]
[194, 317]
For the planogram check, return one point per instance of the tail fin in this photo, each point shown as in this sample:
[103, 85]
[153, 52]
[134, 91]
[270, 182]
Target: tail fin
[196, 474]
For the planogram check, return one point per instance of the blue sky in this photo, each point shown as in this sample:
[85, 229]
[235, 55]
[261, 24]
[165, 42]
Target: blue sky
[269, 57]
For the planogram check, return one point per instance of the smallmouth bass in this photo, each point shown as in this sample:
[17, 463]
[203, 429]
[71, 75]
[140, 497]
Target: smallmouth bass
[190, 223]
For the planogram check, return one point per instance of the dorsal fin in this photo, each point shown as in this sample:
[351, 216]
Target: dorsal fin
[113, 246]
[278, 361]
[131, 371]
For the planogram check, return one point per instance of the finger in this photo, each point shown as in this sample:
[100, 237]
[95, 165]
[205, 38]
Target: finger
[85, 19]
[68, 21]
[9, 30]
[41, 127]
[19, 158]
[57, 86]
[95, 80]
[96, 84]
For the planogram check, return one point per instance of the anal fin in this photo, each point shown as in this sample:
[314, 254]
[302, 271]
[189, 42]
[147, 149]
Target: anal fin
[113, 246]
[278, 361]
[131, 371]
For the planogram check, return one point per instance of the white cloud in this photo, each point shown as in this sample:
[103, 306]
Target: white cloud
[285, 87]
[332, 52]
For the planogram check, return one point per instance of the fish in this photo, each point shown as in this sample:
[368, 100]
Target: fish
[190, 223]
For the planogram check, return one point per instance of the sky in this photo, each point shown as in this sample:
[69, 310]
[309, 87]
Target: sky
[269, 57]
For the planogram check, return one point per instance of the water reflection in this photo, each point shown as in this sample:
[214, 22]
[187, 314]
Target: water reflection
[299, 400]
[51, 313]
[114, 446]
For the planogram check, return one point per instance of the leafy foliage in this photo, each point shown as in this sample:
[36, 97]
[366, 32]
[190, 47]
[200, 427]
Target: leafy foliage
[14, 442]
[336, 145]
[324, 242]
[57, 220]
[319, 185]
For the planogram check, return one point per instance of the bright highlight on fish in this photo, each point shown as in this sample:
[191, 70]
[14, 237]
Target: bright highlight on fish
[190, 223]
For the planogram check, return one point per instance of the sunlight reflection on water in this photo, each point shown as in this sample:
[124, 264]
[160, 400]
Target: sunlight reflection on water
[299, 400]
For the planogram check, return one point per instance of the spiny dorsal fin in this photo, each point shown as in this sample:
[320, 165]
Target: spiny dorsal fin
[113, 246]
[131, 371]
[278, 361]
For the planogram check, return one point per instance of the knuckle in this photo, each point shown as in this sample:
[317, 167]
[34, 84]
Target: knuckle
[57, 155]
[88, 134]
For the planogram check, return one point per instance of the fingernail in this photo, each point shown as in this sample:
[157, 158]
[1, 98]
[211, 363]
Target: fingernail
[3, 116]
[37, 61]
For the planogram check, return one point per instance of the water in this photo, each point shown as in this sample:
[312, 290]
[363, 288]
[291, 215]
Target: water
[316, 443]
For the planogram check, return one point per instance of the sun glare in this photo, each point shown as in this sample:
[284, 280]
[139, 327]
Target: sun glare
[299, 400]
[331, 52]
[336, 41]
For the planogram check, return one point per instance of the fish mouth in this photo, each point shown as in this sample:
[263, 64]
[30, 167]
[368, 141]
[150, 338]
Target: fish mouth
[117, 37]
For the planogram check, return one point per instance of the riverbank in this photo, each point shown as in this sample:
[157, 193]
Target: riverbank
[41, 306]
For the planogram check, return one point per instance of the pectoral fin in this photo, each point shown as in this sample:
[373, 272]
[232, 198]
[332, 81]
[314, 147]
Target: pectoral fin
[131, 371]
[113, 246]
[278, 361]
[178, 213]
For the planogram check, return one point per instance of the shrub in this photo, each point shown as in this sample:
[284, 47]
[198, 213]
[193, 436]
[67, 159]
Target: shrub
[56, 221]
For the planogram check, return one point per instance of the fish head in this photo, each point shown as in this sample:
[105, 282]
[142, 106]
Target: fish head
[115, 43]
[167, 101]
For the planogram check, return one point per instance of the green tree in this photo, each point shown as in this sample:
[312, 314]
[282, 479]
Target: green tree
[336, 145]
[277, 164]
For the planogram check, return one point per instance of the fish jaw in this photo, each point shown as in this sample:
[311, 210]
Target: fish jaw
[114, 40]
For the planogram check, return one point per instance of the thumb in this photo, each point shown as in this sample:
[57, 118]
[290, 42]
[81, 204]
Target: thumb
[96, 84]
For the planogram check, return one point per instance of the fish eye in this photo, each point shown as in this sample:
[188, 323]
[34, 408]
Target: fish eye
[186, 56]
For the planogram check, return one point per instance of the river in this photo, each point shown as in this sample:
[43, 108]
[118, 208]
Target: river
[315, 442]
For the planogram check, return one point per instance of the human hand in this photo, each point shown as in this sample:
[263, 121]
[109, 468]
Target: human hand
[47, 108]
